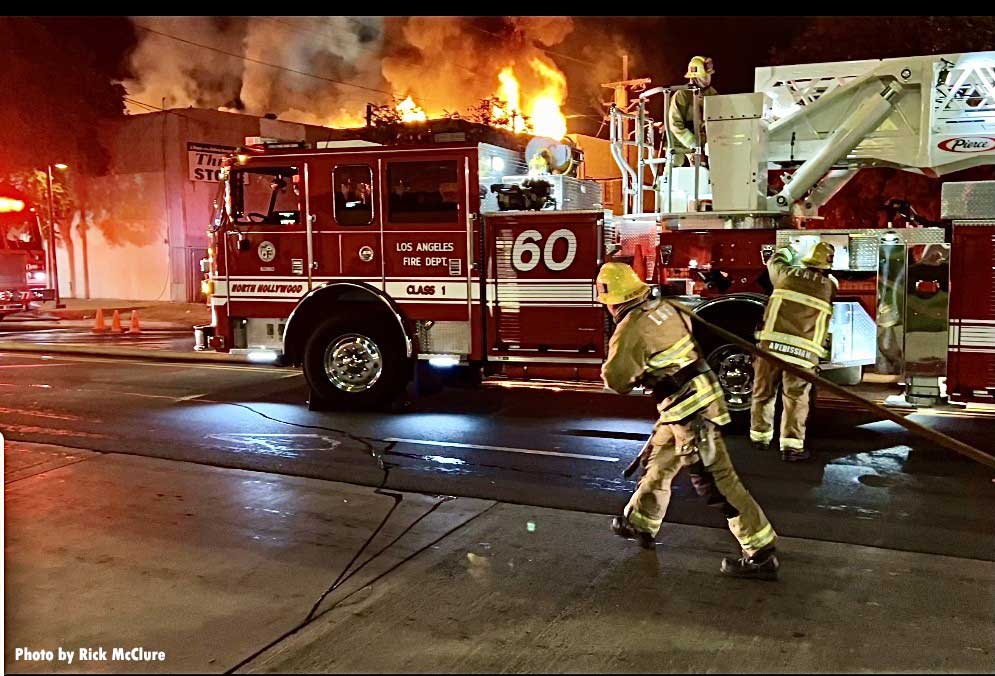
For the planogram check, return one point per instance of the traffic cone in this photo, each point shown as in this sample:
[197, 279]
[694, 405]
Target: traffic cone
[98, 324]
[116, 323]
[639, 262]
[134, 328]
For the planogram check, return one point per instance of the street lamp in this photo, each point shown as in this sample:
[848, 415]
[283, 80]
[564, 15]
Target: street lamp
[52, 265]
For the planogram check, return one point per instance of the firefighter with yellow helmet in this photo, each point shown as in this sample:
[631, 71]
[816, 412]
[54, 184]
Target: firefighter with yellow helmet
[796, 325]
[652, 347]
[681, 114]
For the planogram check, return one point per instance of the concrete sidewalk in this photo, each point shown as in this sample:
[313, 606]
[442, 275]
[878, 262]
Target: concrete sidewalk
[218, 568]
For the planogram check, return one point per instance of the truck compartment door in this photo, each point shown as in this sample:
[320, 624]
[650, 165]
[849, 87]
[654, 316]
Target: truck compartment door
[541, 299]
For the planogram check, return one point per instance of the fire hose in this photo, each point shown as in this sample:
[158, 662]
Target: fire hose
[915, 428]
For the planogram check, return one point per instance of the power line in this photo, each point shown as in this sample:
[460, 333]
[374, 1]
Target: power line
[304, 73]
[544, 51]
[263, 63]
[298, 29]
[143, 104]
[273, 65]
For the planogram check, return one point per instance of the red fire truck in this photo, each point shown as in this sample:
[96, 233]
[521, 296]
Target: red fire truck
[23, 275]
[360, 261]
[357, 262]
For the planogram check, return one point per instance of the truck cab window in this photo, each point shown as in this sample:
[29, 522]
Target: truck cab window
[22, 235]
[352, 194]
[267, 196]
[423, 192]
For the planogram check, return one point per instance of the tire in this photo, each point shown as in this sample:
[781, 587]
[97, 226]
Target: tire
[356, 363]
[739, 314]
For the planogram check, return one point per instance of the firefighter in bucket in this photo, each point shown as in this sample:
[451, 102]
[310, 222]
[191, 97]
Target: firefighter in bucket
[652, 346]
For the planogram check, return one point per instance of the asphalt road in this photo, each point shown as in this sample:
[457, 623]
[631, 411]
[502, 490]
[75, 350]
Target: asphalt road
[870, 482]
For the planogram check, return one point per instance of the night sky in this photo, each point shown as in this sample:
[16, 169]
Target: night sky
[659, 48]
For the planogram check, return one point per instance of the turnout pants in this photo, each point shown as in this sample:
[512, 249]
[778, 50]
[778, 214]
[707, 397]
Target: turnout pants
[766, 379]
[696, 444]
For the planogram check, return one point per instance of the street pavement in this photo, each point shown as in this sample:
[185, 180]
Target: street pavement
[875, 511]
[222, 570]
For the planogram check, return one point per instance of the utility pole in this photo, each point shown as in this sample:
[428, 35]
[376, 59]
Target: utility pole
[53, 263]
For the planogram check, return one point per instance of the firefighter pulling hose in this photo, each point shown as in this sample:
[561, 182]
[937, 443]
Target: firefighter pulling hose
[652, 346]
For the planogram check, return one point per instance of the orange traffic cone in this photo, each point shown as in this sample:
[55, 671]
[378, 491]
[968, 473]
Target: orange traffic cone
[639, 262]
[116, 323]
[98, 324]
[134, 328]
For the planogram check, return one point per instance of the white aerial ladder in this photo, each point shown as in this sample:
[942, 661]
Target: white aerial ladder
[818, 124]
[928, 114]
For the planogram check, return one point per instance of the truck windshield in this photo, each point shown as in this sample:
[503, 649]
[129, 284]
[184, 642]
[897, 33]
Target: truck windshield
[21, 235]
[220, 213]
[271, 196]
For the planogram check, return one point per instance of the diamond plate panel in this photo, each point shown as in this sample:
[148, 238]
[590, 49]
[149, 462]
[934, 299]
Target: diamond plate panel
[968, 200]
[444, 337]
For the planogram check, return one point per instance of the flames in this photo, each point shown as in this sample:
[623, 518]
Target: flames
[509, 92]
[544, 108]
[410, 111]
[538, 114]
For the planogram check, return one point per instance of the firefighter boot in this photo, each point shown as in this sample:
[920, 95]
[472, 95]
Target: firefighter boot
[761, 445]
[794, 454]
[622, 528]
[762, 565]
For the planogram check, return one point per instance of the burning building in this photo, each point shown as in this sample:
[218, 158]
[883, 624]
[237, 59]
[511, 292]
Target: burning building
[139, 230]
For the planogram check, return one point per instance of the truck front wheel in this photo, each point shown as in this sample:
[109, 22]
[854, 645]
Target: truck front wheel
[356, 363]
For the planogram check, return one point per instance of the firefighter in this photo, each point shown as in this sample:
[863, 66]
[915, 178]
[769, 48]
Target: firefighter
[796, 325]
[681, 114]
[653, 347]
[540, 163]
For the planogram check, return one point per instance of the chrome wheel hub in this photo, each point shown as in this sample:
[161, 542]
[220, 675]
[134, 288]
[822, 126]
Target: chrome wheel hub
[734, 370]
[353, 363]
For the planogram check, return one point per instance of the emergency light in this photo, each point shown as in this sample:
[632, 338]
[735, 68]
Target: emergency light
[9, 204]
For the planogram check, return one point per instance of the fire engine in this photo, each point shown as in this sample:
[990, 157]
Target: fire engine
[361, 261]
[23, 274]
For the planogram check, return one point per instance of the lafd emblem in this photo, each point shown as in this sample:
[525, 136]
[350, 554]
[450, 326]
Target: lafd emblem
[266, 251]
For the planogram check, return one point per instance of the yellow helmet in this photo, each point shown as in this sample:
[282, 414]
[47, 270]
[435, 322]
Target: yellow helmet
[618, 283]
[821, 256]
[698, 66]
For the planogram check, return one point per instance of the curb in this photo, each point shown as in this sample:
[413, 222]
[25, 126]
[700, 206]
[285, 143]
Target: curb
[103, 351]
[11, 326]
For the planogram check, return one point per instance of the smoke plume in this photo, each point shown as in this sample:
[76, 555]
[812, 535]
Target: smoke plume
[447, 64]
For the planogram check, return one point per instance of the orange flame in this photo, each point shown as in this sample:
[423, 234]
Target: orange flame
[544, 109]
[410, 111]
[537, 112]
[509, 91]
[545, 118]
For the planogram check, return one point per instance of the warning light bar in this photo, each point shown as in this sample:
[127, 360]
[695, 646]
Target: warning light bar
[9, 204]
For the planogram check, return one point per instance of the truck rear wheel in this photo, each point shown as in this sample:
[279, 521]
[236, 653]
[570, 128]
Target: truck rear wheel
[356, 363]
[739, 314]
[733, 366]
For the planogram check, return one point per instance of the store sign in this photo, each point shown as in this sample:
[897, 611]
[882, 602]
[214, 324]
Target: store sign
[204, 161]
